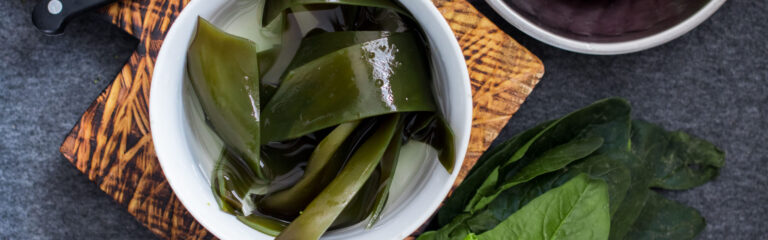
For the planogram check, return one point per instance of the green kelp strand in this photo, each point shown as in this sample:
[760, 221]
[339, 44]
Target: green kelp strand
[431, 128]
[327, 206]
[361, 206]
[339, 87]
[283, 158]
[292, 55]
[388, 166]
[233, 182]
[223, 70]
[289, 202]
[323, 44]
[263, 224]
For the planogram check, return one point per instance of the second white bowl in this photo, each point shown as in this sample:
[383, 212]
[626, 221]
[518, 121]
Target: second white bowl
[603, 48]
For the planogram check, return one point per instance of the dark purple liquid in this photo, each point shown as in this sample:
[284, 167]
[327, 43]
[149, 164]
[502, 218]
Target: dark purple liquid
[607, 20]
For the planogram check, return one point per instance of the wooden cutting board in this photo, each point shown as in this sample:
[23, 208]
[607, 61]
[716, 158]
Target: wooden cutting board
[112, 142]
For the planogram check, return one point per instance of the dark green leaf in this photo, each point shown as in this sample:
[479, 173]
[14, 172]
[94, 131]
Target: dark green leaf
[629, 210]
[608, 168]
[545, 136]
[515, 198]
[487, 163]
[511, 200]
[679, 161]
[454, 230]
[551, 160]
[586, 122]
[516, 176]
[615, 133]
[557, 158]
[662, 218]
[630, 207]
[671, 160]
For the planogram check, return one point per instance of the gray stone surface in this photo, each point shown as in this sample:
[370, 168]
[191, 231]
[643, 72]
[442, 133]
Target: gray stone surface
[45, 84]
[712, 82]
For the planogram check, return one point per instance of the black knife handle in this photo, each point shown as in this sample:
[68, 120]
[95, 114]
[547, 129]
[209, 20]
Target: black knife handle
[50, 16]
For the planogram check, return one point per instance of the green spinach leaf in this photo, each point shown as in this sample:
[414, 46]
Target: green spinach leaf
[539, 139]
[576, 210]
[511, 200]
[680, 161]
[671, 160]
[487, 163]
[551, 160]
[610, 169]
[631, 158]
[457, 229]
[662, 218]
[508, 202]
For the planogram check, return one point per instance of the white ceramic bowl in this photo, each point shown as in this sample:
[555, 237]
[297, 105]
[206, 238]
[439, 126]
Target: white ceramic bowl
[187, 149]
[602, 48]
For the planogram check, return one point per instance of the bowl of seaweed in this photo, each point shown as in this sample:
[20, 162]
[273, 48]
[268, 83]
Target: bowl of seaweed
[310, 119]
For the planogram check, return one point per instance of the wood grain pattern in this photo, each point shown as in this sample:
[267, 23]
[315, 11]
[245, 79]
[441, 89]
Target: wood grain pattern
[502, 73]
[112, 142]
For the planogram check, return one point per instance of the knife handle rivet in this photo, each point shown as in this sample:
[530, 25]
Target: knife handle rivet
[55, 7]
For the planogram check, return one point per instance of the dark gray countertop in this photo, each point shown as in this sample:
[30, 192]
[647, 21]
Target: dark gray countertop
[712, 82]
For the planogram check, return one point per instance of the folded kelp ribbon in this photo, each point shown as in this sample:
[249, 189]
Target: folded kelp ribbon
[527, 187]
[348, 23]
[360, 81]
[221, 68]
[315, 147]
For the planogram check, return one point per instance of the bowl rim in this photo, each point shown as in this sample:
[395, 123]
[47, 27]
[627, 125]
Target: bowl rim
[596, 48]
[166, 113]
